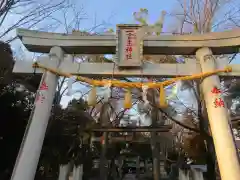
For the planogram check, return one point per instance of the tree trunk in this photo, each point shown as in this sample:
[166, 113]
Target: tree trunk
[210, 154]
[146, 166]
[155, 157]
[103, 159]
[120, 166]
[112, 173]
[211, 173]
[155, 151]
[138, 167]
[105, 122]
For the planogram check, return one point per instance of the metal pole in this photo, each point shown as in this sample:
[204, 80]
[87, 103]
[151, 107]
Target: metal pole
[27, 161]
[219, 121]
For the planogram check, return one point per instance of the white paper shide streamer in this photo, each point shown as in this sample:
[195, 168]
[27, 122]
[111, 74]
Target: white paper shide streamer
[107, 92]
[144, 94]
[70, 82]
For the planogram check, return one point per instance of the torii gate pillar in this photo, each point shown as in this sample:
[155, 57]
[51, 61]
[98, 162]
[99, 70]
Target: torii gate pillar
[28, 157]
[226, 151]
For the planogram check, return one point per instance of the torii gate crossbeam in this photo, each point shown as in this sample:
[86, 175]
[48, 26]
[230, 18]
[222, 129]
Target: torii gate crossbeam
[109, 69]
[220, 43]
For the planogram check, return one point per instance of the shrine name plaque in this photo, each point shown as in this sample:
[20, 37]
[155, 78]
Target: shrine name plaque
[129, 48]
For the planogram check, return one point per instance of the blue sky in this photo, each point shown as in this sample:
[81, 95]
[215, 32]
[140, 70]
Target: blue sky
[110, 13]
[97, 12]
[107, 12]
[117, 12]
[121, 11]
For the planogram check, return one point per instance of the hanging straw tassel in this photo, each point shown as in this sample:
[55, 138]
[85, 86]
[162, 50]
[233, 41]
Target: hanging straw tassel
[128, 99]
[162, 100]
[92, 97]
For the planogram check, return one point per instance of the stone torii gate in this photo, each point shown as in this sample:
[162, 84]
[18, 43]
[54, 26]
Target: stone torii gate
[203, 46]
